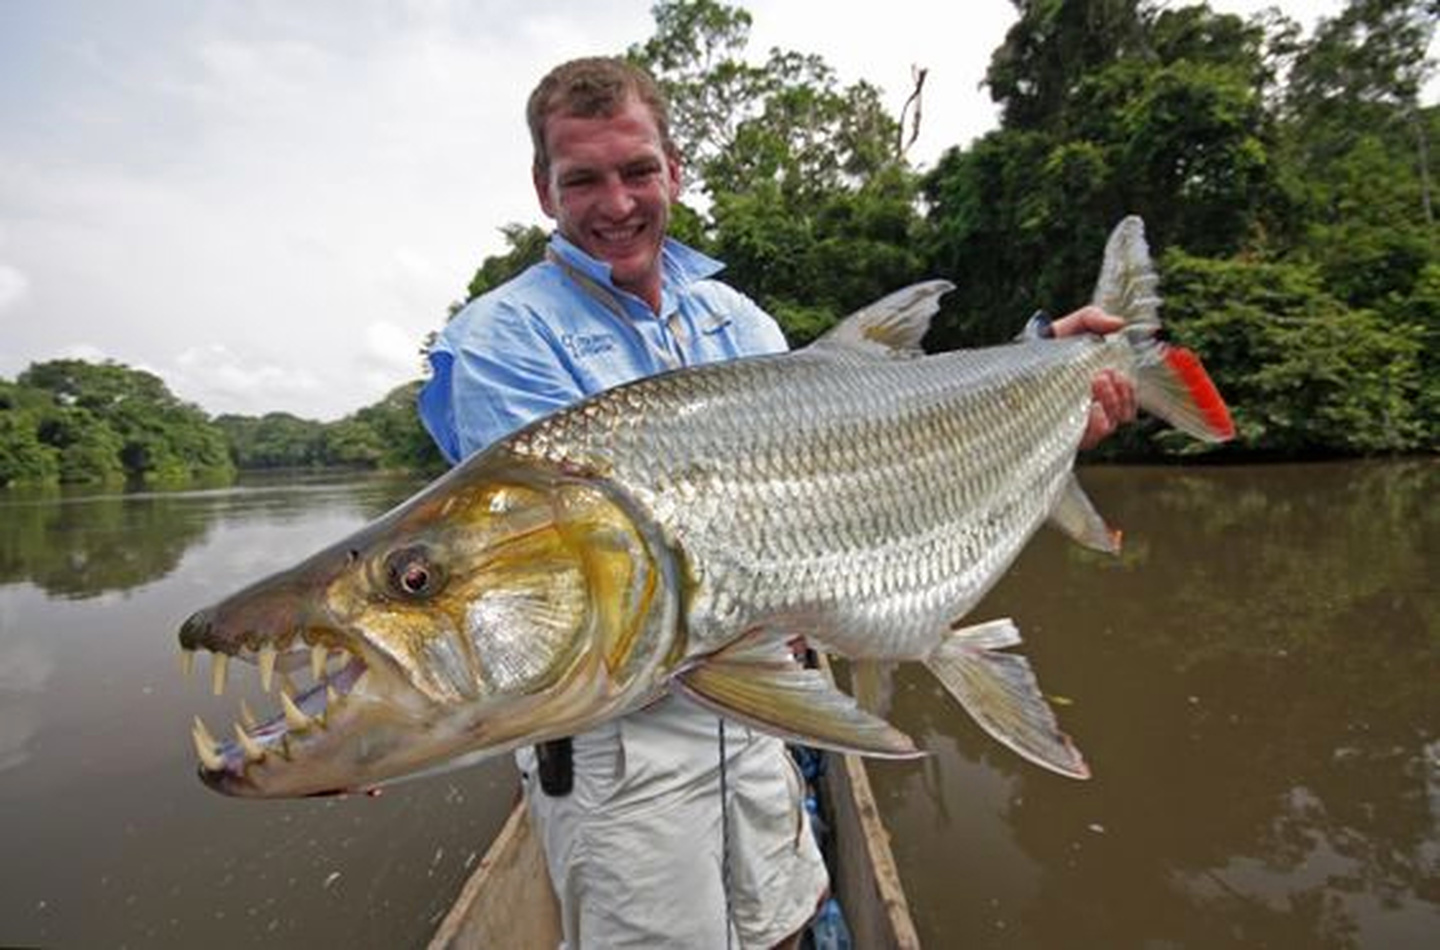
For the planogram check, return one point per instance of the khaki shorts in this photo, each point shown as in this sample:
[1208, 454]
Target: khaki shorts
[635, 850]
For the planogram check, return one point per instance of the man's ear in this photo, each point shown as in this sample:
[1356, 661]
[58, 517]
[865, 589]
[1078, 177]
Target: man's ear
[674, 172]
[541, 180]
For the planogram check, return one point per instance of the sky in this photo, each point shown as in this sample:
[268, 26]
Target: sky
[270, 204]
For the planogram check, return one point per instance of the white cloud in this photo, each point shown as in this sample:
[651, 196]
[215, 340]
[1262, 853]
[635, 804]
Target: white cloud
[13, 285]
[82, 351]
[222, 380]
[271, 204]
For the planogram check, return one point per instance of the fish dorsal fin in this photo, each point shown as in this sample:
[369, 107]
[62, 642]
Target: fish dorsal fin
[892, 325]
[779, 696]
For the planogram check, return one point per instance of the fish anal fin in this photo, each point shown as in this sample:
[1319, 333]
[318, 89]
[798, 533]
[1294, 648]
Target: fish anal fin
[1075, 515]
[1000, 693]
[786, 699]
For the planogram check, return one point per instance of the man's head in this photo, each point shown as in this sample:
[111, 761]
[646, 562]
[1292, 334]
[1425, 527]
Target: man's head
[589, 88]
[605, 168]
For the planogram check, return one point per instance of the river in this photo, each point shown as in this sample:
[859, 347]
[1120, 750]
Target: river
[1255, 683]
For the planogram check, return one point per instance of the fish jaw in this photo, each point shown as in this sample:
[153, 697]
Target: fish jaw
[507, 603]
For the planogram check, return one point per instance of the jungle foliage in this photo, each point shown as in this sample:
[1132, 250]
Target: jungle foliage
[78, 422]
[74, 422]
[1286, 181]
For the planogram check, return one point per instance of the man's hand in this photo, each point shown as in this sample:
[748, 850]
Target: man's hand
[1114, 398]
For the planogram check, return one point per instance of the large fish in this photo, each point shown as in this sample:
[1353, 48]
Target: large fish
[674, 534]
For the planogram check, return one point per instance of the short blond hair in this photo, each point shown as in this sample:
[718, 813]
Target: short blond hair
[590, 87]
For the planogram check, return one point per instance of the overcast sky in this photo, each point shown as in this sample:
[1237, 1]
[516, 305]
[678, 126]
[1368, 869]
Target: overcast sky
[270, 203]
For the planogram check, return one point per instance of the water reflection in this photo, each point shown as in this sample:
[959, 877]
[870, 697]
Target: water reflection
[110, 839]
[79, 545]
[1254, 684]
[24, 671]
[1255, 687]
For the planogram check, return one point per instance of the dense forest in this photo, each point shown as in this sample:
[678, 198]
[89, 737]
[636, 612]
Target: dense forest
[1285, 178]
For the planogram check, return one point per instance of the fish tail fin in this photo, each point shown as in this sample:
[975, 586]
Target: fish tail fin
[1000, 692]
[1169, 380]
[1172, 383]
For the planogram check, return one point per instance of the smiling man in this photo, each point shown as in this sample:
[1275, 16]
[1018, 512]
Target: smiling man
[630, 814]
[649, 841]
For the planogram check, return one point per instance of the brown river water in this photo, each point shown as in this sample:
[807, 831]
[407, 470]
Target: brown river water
[1255, 683]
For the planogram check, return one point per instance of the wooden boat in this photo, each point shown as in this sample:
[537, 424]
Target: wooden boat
[508, 902]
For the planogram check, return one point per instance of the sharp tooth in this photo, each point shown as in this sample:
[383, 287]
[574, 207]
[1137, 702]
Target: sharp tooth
[205, 747]
[285, 751]
[203, 733]
[360, 683]
[294, 717]
[267, 666]
[254, 752]
[187, 662]
[332, 698]
[219, 663]
[247, 716]
[318, 654]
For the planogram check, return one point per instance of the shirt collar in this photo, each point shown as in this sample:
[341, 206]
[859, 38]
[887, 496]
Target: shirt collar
[680, 266]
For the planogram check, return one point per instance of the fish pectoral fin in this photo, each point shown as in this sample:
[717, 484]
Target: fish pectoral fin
[1075, 515]
[1000, 692]
[796, 703]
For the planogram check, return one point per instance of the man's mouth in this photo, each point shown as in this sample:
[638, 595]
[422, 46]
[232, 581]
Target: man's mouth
[620, 236]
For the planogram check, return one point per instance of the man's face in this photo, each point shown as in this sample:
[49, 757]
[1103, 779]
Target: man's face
[609, 189]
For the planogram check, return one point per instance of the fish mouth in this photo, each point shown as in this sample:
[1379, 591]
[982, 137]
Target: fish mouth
[306, 712]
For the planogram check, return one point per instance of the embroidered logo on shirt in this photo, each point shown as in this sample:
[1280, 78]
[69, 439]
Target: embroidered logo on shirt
[584, 345]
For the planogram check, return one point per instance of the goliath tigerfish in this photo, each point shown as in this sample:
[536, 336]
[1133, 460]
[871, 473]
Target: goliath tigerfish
[673, 534]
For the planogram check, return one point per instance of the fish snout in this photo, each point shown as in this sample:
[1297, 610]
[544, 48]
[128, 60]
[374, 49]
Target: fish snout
[307, 667]
[195, 631]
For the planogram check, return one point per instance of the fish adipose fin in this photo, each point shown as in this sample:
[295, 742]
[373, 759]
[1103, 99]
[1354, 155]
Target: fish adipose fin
[1075, 515]
[781, 697]
[893, 325]
[1170, 382]
[1000, 692]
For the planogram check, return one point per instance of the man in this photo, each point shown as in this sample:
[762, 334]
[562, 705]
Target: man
[639, 849]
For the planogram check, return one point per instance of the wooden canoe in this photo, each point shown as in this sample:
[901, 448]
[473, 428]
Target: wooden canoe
[508, 902]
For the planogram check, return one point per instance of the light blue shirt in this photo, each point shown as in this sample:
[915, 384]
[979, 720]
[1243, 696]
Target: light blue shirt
[542, 341]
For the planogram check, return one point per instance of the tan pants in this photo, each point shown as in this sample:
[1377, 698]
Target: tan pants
[635, 851]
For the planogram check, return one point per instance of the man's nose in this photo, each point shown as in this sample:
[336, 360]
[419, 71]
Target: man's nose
[617, 201]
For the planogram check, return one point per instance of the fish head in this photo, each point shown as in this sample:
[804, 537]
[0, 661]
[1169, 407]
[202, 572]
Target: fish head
[505, 604]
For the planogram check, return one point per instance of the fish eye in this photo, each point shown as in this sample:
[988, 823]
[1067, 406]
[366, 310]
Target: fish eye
[413, 574]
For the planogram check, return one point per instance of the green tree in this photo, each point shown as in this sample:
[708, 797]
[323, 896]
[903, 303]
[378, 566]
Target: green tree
[274, 440]
[105, 419]
[395, 423]
[1051, 45]
[812, 206]
[90, 450]
[1110, 108]
[1304, 373]
[527, 246]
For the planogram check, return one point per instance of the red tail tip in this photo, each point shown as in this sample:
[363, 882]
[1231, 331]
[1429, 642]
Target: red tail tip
[1186, 365]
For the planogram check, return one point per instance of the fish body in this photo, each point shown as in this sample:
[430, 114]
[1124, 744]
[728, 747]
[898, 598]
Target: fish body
[674, 534]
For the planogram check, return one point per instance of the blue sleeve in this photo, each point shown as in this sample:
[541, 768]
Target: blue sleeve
[494, 371]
